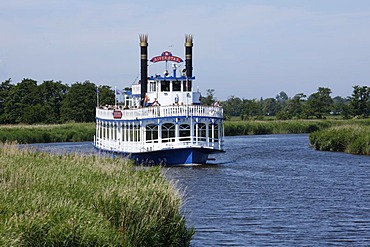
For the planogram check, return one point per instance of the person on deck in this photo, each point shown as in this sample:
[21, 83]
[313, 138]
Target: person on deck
[155, 102]
[146, 100]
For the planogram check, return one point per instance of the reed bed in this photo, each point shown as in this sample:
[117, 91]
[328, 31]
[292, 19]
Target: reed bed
[71, 132]
[273, 127]
[353, 139]
[233, 128]
[72, 200]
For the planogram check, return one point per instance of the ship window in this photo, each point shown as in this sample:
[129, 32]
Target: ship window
[186, 86]
[135, 132]
[151, 132]
[130, 133]
[184, 132]
[168, 132]
[114, 132]
[213, 132]
[216, 131]
[176, 86]
[152, 86]
[165, 86]
[202, 131]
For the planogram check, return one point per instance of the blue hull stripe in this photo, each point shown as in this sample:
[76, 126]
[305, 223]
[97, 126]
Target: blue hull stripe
[184, 156]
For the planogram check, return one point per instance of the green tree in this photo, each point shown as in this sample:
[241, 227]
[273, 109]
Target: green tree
[282, 100]
[232, 106]
[319, 103]
[341, 106]
[20, 98]
[270, 107]
[106, 95]
[34, 114]
[209, 99]
[282, 97]
[360, 101]
[79, 103]
[5, 88]
[52, 95]
[251, 108]
[295, 105]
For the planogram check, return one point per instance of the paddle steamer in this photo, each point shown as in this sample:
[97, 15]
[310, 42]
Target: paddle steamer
[162, 120]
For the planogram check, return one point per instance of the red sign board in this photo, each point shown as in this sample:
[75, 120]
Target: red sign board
[117, 114]
[166, 56]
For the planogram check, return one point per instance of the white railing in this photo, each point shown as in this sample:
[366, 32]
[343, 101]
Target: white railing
[162, 111]
[133, 147]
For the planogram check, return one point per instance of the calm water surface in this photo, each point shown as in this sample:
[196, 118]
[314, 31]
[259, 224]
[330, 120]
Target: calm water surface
[274, 190]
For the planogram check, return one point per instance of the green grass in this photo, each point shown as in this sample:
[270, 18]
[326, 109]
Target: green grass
[284, 126]
[72, 200]
[354, 139]
[71, 132]
[273, 127]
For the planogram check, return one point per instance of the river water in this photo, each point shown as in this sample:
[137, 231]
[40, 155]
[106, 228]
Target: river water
[273, 190]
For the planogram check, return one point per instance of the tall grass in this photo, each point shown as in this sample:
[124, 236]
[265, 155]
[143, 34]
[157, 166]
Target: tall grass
[71, 132]
[72, 200]
[273, 127]
[354, 139]
[283, 127]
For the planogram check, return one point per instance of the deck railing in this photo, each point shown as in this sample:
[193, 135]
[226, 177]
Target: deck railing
[148, 146]
[162, 111]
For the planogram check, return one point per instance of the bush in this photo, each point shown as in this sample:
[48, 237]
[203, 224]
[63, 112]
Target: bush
[354, 139]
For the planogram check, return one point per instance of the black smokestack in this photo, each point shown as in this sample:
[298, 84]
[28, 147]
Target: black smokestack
[144, 65]
[188, 55]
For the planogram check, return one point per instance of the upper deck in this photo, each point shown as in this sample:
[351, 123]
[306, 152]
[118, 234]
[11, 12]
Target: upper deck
[170, 90]
[160, 112]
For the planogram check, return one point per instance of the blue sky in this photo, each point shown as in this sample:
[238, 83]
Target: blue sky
[243, 48]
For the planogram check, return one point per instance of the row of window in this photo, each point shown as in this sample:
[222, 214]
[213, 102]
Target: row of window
[165, 86]
[168, 132]
[132, 133]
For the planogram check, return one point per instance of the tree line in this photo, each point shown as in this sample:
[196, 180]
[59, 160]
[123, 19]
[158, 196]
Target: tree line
[50, 102]
[55, 102]
[318, 105]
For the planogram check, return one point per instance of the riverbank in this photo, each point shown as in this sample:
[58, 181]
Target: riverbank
[69, 132]
[353, 139]
[78, 132]
[73, 200]
[233, 128]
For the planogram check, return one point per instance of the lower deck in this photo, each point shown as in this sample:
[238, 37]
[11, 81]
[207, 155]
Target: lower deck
[163, 134]
[156, 134]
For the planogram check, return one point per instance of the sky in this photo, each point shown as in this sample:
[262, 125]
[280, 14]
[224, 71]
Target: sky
[242, 48]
